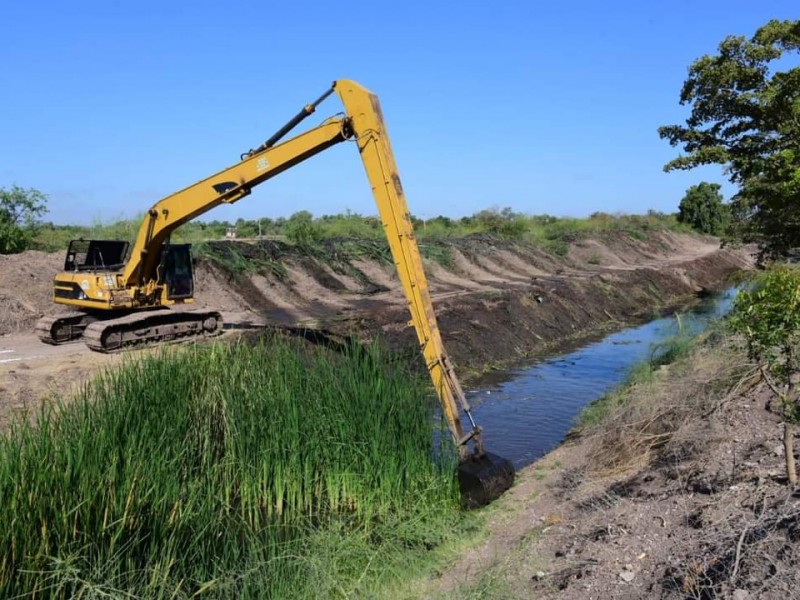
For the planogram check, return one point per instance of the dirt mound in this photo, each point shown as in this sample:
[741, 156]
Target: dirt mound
[26, 288]
[352, 283]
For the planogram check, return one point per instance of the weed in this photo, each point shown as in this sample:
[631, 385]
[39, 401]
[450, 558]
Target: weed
[226, 471]
[648, 411]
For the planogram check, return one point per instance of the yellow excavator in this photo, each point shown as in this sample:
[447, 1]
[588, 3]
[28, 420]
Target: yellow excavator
[124, 303]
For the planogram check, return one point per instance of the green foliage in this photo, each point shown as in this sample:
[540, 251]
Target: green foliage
[702, 208]
[350, 225]
[675, 347]
[504, 223]
[227, 472]
[365, 234]
[19, 210]
[438, 252]
[769, 317]
[746, 117]
[229, 255]
[302, 229]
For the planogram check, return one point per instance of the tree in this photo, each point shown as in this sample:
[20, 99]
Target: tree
[19, 209]
[746, 117]
[702, 208]
[302, 230]
[769, 318]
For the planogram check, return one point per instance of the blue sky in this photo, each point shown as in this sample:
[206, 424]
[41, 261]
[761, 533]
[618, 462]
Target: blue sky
[546, 107]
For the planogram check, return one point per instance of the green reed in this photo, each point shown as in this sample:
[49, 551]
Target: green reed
[222, 471]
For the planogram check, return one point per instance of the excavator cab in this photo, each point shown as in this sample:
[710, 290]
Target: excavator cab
[96, 255]
[176, 271]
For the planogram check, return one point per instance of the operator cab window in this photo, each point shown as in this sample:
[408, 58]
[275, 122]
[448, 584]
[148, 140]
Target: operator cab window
[96, 255]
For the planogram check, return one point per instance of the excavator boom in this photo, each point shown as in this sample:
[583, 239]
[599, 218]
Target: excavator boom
[483, 476]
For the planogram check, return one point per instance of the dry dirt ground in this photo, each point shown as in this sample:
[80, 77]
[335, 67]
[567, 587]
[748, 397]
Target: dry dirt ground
[496, 302]
[698, 508]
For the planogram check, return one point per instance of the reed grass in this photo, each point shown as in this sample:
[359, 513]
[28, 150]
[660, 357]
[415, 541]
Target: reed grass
[225, 471]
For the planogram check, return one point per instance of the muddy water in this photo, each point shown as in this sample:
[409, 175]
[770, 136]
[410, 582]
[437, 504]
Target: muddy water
[526, 412]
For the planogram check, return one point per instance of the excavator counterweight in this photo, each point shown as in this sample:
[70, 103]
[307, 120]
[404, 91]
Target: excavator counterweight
[124, 303]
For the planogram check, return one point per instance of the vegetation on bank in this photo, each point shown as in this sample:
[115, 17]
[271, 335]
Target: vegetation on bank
[758, 339]
[227, 471]
[301, 229]
[768, 316]
[19, 211]
[702, 207]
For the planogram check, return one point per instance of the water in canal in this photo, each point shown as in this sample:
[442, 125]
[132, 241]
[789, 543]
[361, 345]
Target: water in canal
[526, 412]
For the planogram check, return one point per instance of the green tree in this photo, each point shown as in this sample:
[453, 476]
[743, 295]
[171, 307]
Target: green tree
[769, 318]
[19, 209]
[702, 208]
[301, 229]
[745, 116]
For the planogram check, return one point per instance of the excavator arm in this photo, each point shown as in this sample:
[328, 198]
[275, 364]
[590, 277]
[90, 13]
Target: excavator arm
[225, 187]
[483, 475]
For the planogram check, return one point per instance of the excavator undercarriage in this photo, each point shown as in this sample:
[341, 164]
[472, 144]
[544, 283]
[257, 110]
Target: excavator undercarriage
[104, 334]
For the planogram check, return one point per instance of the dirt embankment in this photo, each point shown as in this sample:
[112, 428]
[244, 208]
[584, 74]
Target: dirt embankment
[680, 493]
[497, 301]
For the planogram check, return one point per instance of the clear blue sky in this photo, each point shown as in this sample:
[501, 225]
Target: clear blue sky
[546, 107]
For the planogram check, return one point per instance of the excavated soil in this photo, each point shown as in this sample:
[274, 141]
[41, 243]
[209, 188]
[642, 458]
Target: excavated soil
[26, 289]
[497, 301]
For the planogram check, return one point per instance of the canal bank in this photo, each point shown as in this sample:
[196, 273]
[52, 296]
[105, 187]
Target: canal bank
[676, 490]
[528, 410]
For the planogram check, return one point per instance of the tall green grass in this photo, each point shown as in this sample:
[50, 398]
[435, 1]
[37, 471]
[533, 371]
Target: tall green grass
[225, 471]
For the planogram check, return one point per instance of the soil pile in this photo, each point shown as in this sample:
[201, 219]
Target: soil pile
[496, 300]
[26, 288]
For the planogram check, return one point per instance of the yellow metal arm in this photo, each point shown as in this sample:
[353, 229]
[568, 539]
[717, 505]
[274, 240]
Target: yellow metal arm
[364, 111]
[227, 186]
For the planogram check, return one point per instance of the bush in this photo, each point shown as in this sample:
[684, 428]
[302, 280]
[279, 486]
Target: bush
[702, 208]
[302, 229]
[19, 209]
[769, 318]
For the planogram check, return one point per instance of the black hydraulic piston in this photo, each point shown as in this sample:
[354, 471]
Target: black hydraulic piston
[307, 110]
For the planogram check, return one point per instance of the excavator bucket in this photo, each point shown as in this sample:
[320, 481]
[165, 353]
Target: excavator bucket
[484, 478]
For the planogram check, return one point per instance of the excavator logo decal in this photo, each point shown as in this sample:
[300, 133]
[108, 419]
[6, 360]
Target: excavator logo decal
[262, 164]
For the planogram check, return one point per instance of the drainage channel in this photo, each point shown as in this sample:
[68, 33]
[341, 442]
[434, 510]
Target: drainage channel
[526, 412]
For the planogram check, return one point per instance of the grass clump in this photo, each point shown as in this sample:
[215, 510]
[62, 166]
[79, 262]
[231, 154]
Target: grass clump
[226, 471]
[651, 409]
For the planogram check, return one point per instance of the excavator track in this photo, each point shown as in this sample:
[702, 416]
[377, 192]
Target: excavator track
[156, 326]
[64, 327]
